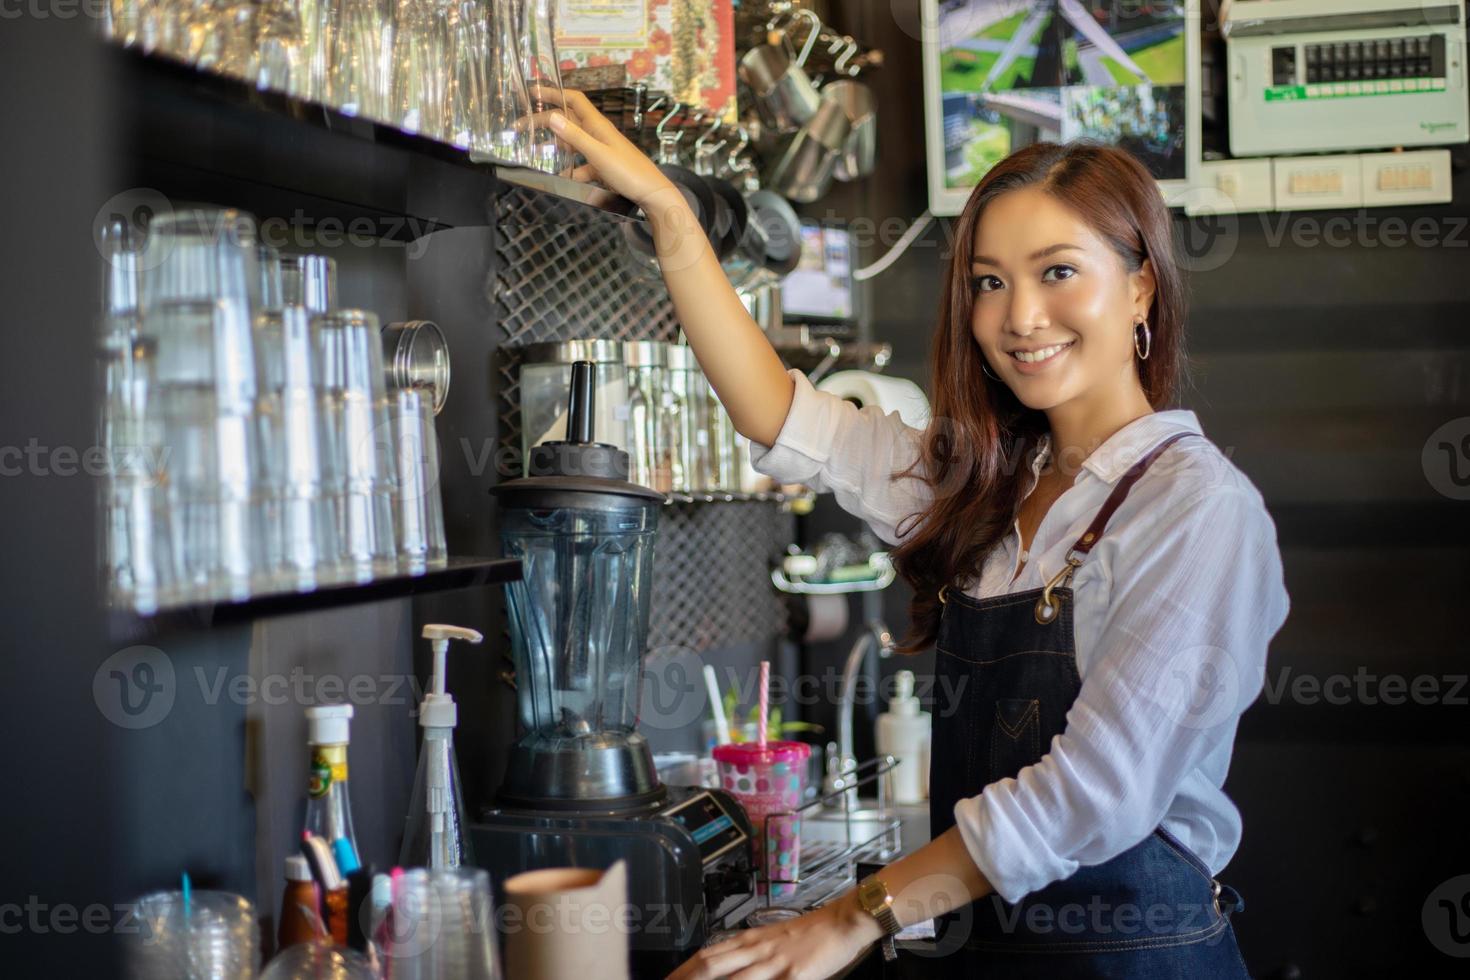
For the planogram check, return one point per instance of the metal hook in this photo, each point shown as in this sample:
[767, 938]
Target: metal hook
[640, 89]
[780, 10]
[811, 38]
[739, 147]
[668, 144]
[700, 147]
[659, 129]
[843, 59]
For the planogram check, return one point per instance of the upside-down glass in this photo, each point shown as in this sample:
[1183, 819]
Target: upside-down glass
[469, 75]
[200, 290]
[691, 407]
[651, 417]
[360, 58]
[279, 60]
[442, 926]
[418, 511]
[309, 281]
[359, 477]
[301, 545]
[134, 541]
[419, 93]
[542, 71]
[508, 103]
[136, 537]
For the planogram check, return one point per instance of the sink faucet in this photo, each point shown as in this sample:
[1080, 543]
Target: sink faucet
[876, 639]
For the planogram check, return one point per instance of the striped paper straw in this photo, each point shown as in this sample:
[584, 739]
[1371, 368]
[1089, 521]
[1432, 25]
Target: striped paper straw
[765, 699]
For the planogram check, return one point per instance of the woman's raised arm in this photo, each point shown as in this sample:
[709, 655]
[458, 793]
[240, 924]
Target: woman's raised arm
[740, 363]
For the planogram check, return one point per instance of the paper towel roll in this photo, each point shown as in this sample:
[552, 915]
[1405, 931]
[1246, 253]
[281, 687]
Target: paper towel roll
[828, 618]
[570, 924]
[889, 394]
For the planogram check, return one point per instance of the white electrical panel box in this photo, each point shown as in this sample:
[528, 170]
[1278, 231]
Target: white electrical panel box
[1308, 76]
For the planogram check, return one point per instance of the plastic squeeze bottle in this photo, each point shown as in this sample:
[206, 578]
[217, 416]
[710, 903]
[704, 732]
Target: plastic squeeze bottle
[903, 732]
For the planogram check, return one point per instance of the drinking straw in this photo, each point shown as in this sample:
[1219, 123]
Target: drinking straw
[187, 887]
[765, 700]
[722, 723]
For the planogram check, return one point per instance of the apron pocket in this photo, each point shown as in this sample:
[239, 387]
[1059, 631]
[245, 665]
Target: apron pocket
[1015, 738]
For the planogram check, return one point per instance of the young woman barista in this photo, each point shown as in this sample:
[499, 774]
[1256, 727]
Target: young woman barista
[1099, 582]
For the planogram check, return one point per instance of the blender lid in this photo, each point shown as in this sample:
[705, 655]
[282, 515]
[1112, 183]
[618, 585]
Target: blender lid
[578, 464]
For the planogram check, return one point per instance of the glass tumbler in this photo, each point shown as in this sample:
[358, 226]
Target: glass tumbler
[691, 408]
[651, 417]
[507, 101]
[309, 281]
[442, 927]
[200, 290]
[301, 545]
[359, 471]
[419, 92]
[359, 58]
[541, 69]
[418, 511]
[136, 537]
[469, 75]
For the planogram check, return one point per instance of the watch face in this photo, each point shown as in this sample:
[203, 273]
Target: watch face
[873, 894]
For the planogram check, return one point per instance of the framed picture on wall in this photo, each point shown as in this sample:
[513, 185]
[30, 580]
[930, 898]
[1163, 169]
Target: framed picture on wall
[683, 47]
[1002, 74]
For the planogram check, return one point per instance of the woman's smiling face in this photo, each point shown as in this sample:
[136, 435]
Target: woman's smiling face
[1055, 306]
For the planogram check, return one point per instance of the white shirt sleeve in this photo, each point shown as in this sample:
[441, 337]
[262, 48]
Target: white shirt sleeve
[828, 443]
[1182, 653]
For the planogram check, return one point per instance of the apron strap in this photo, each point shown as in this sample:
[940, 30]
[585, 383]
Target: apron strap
[1046, 608]
[1115, 499]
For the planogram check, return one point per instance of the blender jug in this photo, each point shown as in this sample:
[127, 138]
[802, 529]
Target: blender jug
[579, 620]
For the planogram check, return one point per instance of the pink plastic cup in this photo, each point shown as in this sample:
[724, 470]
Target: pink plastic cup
[768, 781]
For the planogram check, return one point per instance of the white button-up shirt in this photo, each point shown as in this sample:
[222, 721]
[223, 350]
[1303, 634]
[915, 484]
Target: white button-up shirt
[1173, 611]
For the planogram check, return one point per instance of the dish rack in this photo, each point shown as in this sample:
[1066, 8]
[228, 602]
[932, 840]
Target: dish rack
[827, 864]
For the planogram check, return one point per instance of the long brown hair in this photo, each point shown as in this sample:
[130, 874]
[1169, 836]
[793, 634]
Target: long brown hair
[976, 453]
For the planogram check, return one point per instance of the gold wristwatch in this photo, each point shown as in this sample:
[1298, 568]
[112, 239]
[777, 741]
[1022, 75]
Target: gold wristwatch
[874, 898]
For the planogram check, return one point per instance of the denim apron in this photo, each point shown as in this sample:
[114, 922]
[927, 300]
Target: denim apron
[1153, 911]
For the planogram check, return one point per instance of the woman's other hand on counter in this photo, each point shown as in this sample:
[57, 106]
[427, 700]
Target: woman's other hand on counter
[822, 943]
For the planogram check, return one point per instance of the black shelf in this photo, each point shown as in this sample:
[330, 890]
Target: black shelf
[194, 135]
[460, 573]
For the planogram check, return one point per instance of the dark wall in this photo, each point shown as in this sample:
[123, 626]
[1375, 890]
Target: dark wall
[59, 855]
[1324, 357]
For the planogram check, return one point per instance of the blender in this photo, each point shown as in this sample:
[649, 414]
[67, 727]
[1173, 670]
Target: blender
[580, 787]
[579, 620]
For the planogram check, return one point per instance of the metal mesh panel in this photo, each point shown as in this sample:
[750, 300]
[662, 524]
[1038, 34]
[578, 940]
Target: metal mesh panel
[563, 272]
[712, 574]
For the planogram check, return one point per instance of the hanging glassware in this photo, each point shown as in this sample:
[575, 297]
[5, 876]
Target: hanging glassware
[542, 72]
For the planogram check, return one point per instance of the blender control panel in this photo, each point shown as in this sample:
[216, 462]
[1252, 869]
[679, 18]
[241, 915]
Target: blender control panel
[709, 823]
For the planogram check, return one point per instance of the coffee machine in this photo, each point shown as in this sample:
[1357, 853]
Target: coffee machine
[580, 787]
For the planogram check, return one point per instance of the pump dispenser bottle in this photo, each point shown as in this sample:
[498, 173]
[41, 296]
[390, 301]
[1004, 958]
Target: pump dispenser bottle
[434, 834]
[903, 732]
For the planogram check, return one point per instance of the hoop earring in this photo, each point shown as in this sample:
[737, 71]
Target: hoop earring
[1148, 340]
[985, 369]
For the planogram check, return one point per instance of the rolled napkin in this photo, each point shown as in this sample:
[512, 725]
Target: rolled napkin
[568, 923]
[889, 394]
